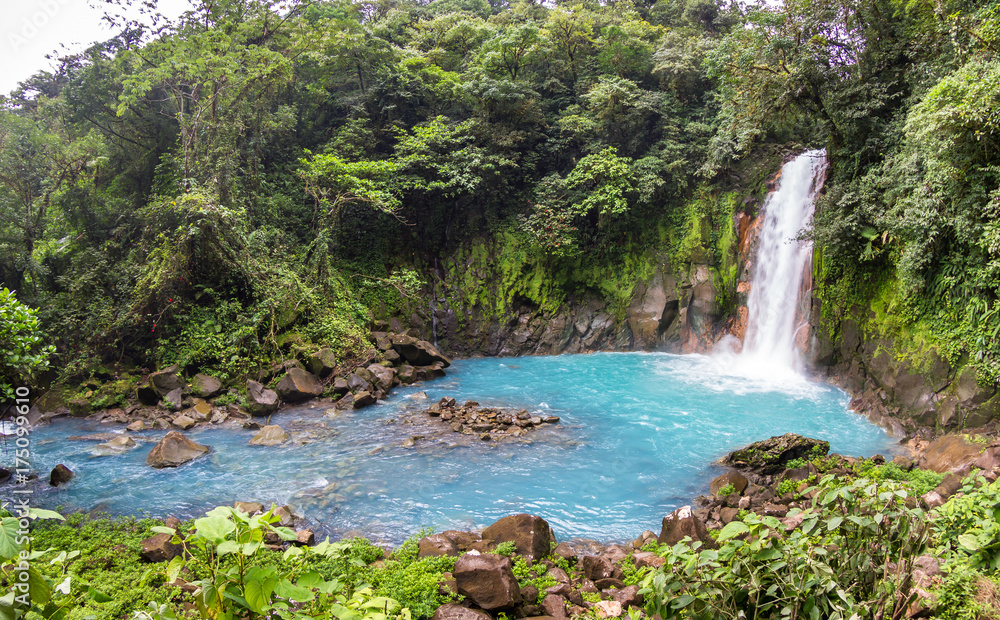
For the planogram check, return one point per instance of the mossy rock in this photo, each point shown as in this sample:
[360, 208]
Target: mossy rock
[771, 455]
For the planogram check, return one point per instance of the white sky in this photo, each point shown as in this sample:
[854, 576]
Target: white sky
[32, 29]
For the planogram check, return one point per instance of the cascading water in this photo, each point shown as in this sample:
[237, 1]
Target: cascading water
[779, 267]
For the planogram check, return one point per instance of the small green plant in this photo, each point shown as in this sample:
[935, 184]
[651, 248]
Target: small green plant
[505, 549]
[788, 486]
[225, 546]
[727, 490]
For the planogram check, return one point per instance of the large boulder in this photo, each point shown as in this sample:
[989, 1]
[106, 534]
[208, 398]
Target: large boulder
[488, 580]
[436, 545]
[418, 352]
[270, 435]
[680, 523]
[770, 456]
[173, 400]
[454, 611]
[60, 475]
[166, 380]
[731, 478]
[948, 454]
[298, 385]
[117, 445]
[261, 401]
[204, 386]
[158, 548]
[322, 362]
[173, 450]
[383, 376]
[530, 534]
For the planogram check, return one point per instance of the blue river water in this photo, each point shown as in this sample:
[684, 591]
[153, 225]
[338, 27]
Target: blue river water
[638, 436]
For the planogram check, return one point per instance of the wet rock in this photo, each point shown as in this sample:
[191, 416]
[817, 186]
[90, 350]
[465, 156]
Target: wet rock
[647, 559]
[455, 611]
[948, 454]
[173, 400]
[436, 545]
[565, 552]
[487, 579]
[733, 478]
[270, 435]
[554, 606]
[174, 450]
[530, 534]
[608, 583]
[183, 422]
[628, 596]
[263, 401]
[596, 568]
[643, 539]
[298, 385]
[406, 374]
[158, 548]
[166, 381]
[358, 384]
[426, 373]
[680, 523]
[205, 386]
[363, 399]
[305, 537]
[250, 508]
[322, 362]
[418, 352]
[286, 516]
[608, 609]
[119, 444]
[136, 426]
[770, 456]
[384, 377]
[60, 475]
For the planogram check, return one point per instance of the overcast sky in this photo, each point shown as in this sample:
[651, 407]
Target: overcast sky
[32, 29]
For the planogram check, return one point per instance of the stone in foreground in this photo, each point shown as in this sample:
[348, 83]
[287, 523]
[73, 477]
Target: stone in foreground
[174, 450]
[158, 548]
[60, 475]
[487, 580]
[298, 385]
[681, 523]
[262, 401]
[771, 455]
[270, 435]
[454, 611]
[531, 535]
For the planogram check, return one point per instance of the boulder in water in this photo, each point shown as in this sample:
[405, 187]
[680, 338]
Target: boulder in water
[174, 450]
[270, 435]
[680, 523]
[263, 402]
[418, 352]
[298, 385]
[117, 445]
[166, 380]
[60, 475]
[771, 455]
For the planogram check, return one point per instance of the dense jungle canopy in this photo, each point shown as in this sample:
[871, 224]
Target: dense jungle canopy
[259, 170]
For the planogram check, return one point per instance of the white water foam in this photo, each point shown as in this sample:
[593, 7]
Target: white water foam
[769, 358]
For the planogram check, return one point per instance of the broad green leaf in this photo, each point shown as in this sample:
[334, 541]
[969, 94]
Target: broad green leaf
[286, 589]
[8, 535]
[97, 595]
[969, 542]
[732, 530]
[64, 586]
[40, 513]
[227, 546]
[38, 587]
[214, 528]
[159, 529]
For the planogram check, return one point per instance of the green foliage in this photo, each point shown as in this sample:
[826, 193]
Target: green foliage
[108, 558]
[726, 490]
[22, 353]
[834, 563]
[505, 549]
[226, 546]
[535, 575]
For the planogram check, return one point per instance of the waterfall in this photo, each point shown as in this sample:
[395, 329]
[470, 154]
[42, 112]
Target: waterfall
[779, 267]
